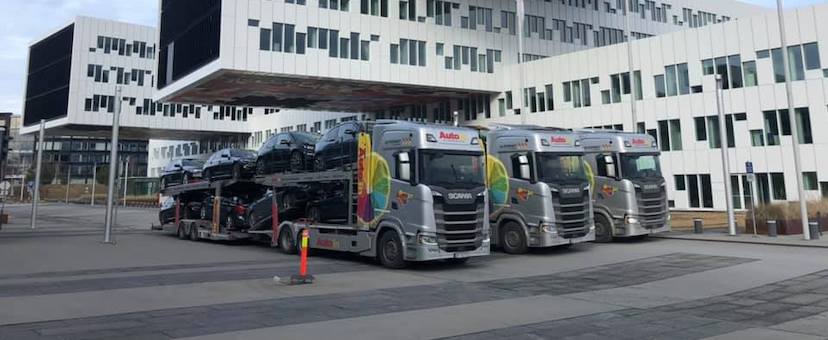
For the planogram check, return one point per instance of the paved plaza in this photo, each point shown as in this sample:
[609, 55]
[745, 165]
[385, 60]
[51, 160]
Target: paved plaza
[60, 282]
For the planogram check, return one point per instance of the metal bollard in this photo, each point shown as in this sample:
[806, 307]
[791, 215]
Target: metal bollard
[772, 231]
[698, 226]
[815, 230]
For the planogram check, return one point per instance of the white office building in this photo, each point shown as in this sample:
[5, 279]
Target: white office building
[324, 61]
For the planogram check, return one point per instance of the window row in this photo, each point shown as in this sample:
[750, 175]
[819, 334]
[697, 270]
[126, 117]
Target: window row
[123, 77]
[733, 72]
[699, 189]
[409, 52]
[801, 58]
[111, 45]
[465, 55]
[675, 81]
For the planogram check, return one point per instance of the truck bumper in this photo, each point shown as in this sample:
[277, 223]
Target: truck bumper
[544, 240]
[419, 252]
[636, 229]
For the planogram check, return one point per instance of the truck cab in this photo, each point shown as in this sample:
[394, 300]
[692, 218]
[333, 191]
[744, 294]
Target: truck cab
[629, 191]
[436, 196]
[539, 191]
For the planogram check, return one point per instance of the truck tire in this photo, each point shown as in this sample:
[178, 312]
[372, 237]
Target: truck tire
[390, 251]
[193, 232]
[513, 239]
[286, 242]
[182, 232]
[603, 229]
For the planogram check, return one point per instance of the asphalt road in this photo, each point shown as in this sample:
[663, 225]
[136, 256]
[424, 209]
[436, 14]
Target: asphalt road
[61, 282]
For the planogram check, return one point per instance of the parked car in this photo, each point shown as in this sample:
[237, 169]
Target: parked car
[292, 203]
[287, 151]
[338, 147]
[332, 206]
[230, 163]
[181, 171]
[187, 211]
[232, 212]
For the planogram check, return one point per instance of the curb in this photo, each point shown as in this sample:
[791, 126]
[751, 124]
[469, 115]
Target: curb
[674, 237]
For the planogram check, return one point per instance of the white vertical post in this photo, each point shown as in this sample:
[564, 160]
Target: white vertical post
[521, 13]
[38, 168]
[68, 179]
[633, 108]
[731, 216]
[800, 186]
[126, 178]
[113, 166]
[94, 181]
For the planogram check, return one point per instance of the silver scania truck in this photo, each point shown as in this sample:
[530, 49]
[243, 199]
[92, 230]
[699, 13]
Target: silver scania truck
[417, 193]
[630, 194]
[538, 188]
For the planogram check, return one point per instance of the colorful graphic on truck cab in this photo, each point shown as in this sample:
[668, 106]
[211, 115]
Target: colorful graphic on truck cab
[498, 180]
[365, 212]
[380, 187]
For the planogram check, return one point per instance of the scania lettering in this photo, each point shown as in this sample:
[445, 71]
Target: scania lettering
[538, 188]
[628, 188]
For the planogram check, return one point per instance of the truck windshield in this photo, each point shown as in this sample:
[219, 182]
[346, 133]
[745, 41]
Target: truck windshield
[452, 169]
[556, 168]
[640, 166]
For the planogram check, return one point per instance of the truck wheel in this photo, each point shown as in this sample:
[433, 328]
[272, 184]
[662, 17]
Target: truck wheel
[286, 242]
[391, 251]
[182, 233]
[193, 232]
[513, 239]
[603, 229]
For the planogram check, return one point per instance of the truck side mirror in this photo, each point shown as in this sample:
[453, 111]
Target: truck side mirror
[404, 166]
[609, 162]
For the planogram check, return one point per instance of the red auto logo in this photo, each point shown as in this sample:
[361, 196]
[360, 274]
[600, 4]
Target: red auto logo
[449, 136]
[639, 141]
[559, 140]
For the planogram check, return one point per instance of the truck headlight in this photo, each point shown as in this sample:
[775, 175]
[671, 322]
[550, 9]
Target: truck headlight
[427, 240]
[548, 228]
[630, 220]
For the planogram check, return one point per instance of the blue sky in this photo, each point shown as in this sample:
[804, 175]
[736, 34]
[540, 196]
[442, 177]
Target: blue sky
[23, 21]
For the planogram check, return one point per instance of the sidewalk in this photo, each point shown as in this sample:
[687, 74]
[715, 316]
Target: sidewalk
[720, 235]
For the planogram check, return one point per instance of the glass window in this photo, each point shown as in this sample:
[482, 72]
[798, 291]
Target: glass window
[616, 88]
[730, 132]
[693, 191]
[343, 48]
[675, 134]
[803, 125]
[355, 46]
[735, 71]
[778, 185]
[300, 43]
[701, 128]
[763, 54]
[289, 35]
[365, 50]
[541, 102]
[707, 191]
[713, 132]
[576, 94]
[264, 41]
[810, 181]
[721, 69]
[672, 88]
[585, 92]
[637, 166]
[683, 79]
[605, 97]
[452, 170]
[771, 128]
[750, 73]
[567, 92]
[403, 51]
[778, 65]
[664, 135]
[757, 138]
[681, 184]
[550, 98]
[659, 86]
[812, 61]
[333, 51]
[313, 37]
[421, 55]
[395, 53]
[639, 94]
[785, 122]
[797, 69]
[625, 83]
[501, 107]
[557, 168]
[708, 67]
[737, 197]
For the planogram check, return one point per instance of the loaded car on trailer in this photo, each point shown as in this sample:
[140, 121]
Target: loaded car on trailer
[416, 193]
[629, 191]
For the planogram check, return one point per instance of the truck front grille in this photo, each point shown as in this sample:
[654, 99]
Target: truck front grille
[459, 226]
[572, 215]
[652, 207]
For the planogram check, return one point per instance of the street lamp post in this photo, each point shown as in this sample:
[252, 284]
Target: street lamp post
[521, 13]
[38, 168]
[113, 166]
[94, 181]
[731, 218]
[803, 205]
